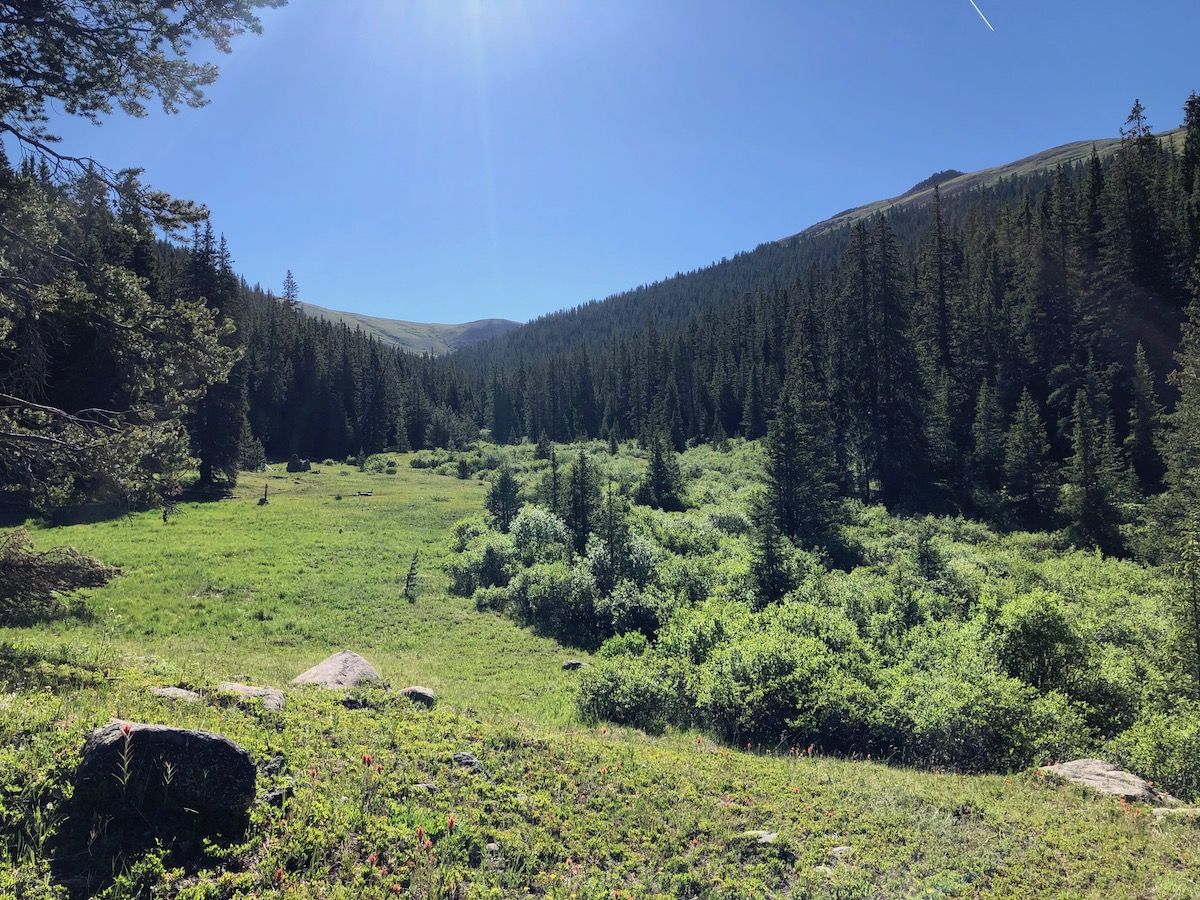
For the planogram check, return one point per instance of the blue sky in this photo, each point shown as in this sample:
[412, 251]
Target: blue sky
[444, 160]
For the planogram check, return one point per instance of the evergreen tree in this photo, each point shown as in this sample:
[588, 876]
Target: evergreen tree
[544, 447]
[1145, 414]
[1183, 439]
[800, 489]
[1029, 479]
[291, 291]
[662, 484]
[581, 501]
[1093, 489]
[504, 497]
[987, 437]
[769, 567]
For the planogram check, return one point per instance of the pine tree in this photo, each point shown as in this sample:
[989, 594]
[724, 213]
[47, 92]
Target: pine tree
[291, 291]
[769, 568]
[504, 497]
[1093, 491]
[1029, 477]
[544, 447]
[581, 501]
[799, 476]
[987, 437]
[1145, 415]
[662, 484]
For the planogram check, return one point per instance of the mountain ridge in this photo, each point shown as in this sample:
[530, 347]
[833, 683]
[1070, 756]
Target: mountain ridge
[417, 337]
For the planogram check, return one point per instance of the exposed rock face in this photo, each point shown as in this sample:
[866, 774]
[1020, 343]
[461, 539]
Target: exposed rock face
[1106, 778]
[418, 694]
[272, 698]
[342, 670]
[165, 772]
[176, 693]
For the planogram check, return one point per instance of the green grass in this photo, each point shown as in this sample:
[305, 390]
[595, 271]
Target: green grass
[233, 590]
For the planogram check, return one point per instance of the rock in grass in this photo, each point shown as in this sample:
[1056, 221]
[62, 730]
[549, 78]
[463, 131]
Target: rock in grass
[468, 761]
[342, 670]
[176, 693]
[173, 779]
[1105, 778]
[759, 837]
[418, 694]
[572, 664]
[272, 698]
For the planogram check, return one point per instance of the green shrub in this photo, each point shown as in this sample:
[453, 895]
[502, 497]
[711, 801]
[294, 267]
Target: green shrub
[558, 600]
[1164, 748]
[631, 643]
[489, 561]
[633, 690]
[540, 536]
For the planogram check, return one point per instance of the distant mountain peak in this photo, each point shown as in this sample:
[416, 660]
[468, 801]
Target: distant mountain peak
[417, 337]
[935, 179]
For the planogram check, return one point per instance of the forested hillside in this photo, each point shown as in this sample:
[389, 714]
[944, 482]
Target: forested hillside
[953, 355]
[419, 337]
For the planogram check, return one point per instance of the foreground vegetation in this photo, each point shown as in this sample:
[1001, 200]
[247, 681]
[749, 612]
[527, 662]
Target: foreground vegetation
[571, 809]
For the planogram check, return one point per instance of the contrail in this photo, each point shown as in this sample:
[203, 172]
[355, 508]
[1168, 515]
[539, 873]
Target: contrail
[981, 15]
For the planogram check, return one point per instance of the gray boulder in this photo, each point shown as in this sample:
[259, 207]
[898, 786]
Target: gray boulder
[176, 693]
[1107, 779]
[572, 664]
[342, 670]
[421, 695]
[272, 698]
[165, 774]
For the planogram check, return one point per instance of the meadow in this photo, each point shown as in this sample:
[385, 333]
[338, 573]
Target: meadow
[567, 807]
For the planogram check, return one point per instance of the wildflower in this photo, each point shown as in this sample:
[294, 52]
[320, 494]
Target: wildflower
[367, 759]
[126, 728]
[451, 822]
[312, 773]
[378, 768]
[810, 749]
[279, 874]
[395, 888]
[372, 859]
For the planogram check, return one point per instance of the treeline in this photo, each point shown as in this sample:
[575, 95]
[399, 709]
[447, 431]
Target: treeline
[125, 360]
[971, 359]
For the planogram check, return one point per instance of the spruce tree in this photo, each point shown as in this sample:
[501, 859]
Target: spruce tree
[769, 568]
[504, 497]
[581, 501]
[987, 438]
[1091, 502]
[799, 476]
[662, 484]
[1029, 478]
[1145, 415]
[1183, 439]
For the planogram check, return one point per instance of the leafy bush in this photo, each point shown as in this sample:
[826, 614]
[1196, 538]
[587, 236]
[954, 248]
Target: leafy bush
[31, 583]
[633, 691]
[631, 643]
[559, 600]
[540, 536]
[489, 561]
[1164, 748]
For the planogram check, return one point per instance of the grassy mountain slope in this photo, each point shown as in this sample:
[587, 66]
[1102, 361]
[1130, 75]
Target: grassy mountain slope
[230, 589]
[418, 337]
[1046, 160]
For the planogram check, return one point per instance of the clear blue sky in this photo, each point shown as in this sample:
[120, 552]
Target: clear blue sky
[444, 160]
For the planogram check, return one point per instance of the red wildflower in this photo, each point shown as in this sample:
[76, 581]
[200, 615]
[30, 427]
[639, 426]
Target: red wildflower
[451, 822]
[279, 874]
[126, 728]
[372, 859]
[367, 760]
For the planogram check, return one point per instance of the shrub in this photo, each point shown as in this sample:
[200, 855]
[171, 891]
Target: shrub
[539, 536]
[31, 583]
[634, 690]
[489, 561]
[465, 531]
[1037, 642]
[631, 643]
[1164, 748]
[558, 600]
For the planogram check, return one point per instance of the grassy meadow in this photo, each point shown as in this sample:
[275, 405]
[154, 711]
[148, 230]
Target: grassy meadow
[233, 590]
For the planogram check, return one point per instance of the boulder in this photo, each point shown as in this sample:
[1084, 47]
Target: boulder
[759, 836]
[272, 698]
[418, 694]
[468, 761]
[342, 670]
[296, 464]
[572, 664]
[1105, 778]
[176, 693]
[161, 775]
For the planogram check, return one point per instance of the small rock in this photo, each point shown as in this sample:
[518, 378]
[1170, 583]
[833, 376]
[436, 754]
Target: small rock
[418, 694]
[837, 854]
[275, 765]
[572, 664]
[272, 698]
[276, 796]
[427, 786]
[176, 693]
[1177, 812]
[470, 763]
[342, 670]
[492, 847]
[760, 837]
[1107, 779]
